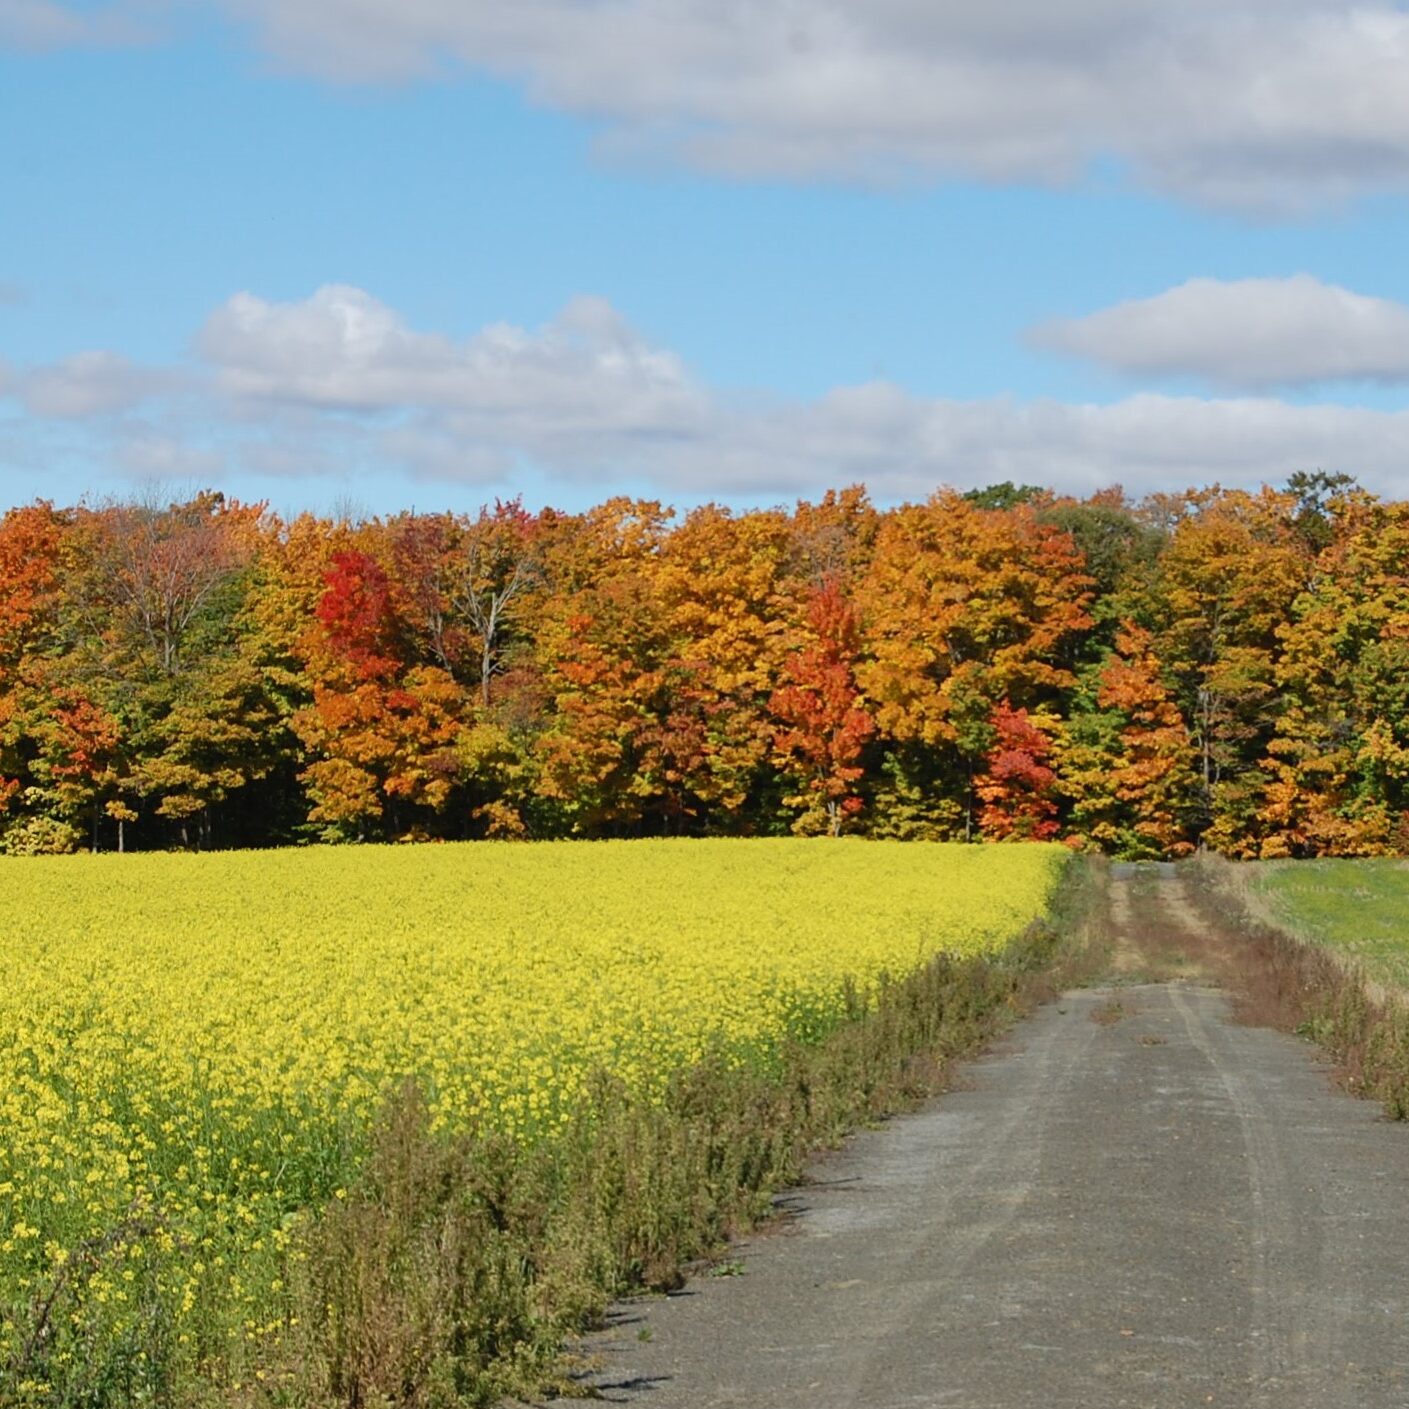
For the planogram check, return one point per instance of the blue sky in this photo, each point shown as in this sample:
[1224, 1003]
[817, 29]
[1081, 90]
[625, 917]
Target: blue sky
[432, 251]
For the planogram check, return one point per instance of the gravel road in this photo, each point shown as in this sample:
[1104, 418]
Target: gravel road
[1132, 1202]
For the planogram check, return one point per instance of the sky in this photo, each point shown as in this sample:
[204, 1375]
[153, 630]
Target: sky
[390, 254]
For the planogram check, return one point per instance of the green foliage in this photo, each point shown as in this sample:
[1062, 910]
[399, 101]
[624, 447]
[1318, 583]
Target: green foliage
[1005, 495]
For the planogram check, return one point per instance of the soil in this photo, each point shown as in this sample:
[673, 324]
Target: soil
[1134, 1201]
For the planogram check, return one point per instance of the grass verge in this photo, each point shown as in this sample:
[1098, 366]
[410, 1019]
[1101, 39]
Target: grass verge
[1284, 981]
[1354, 907]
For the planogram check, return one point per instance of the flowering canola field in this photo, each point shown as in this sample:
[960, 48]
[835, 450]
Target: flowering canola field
[190, 1046]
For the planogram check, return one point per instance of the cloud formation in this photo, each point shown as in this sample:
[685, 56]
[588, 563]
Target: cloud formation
[904, 447]
[588, 398]
[343, 349]
[1244, 334]
[340, 383]
[89, 384]
[1268, 105]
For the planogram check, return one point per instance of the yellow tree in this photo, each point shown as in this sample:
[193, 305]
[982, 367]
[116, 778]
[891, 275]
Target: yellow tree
[1336, 771]
[1234, 564]
[725, 585]
[1127, 766]
[622, 738]
[964, 607]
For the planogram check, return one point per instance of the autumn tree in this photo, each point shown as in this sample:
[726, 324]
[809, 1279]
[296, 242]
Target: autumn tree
[380, 731]
[1016, 787]
[1126, 758]
[1336, 770]
[30, 543]
[833, 539]
[1121, 552]
[465, 585]
[144, 575]
[1226, 580]
[724, 584]
[1224, 667]
[72, 765]
[964, 607]
[624, 735]
[30, 540]
[143, 639]
[822, 724]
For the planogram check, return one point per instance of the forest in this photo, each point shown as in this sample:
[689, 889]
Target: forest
[1217, 668]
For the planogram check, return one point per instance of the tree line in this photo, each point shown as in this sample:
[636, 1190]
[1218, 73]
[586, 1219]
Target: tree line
[1219, 667]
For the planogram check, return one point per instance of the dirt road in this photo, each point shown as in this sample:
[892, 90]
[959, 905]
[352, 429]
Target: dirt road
[1133, 1202]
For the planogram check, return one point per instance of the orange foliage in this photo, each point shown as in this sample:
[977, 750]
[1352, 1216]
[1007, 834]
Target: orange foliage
[1218, 667]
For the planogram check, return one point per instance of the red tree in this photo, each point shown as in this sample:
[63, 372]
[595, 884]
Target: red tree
[1016, 790]
[822, 726]
[356, 612]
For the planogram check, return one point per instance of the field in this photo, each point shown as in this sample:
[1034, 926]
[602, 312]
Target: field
[192, 1048]
[1358, 909]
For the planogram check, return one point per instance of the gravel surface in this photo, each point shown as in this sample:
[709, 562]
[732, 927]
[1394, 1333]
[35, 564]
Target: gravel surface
[1133, 1202]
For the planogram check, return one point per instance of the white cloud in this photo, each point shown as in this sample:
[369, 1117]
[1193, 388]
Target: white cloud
[1264, 105]
[343, 349]
[903, 446]
[88, 384]
[1261, 104]
[589, 399]
[1246, 333]
[340, 385]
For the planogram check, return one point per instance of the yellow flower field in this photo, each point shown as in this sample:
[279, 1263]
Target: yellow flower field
[191, 1046]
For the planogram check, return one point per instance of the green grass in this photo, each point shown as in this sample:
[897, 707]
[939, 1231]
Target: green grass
[1356, 908]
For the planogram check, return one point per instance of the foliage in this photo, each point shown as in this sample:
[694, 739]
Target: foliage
[1127, 758]
[824, 725]
[1017, 785]
[1217, 668]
